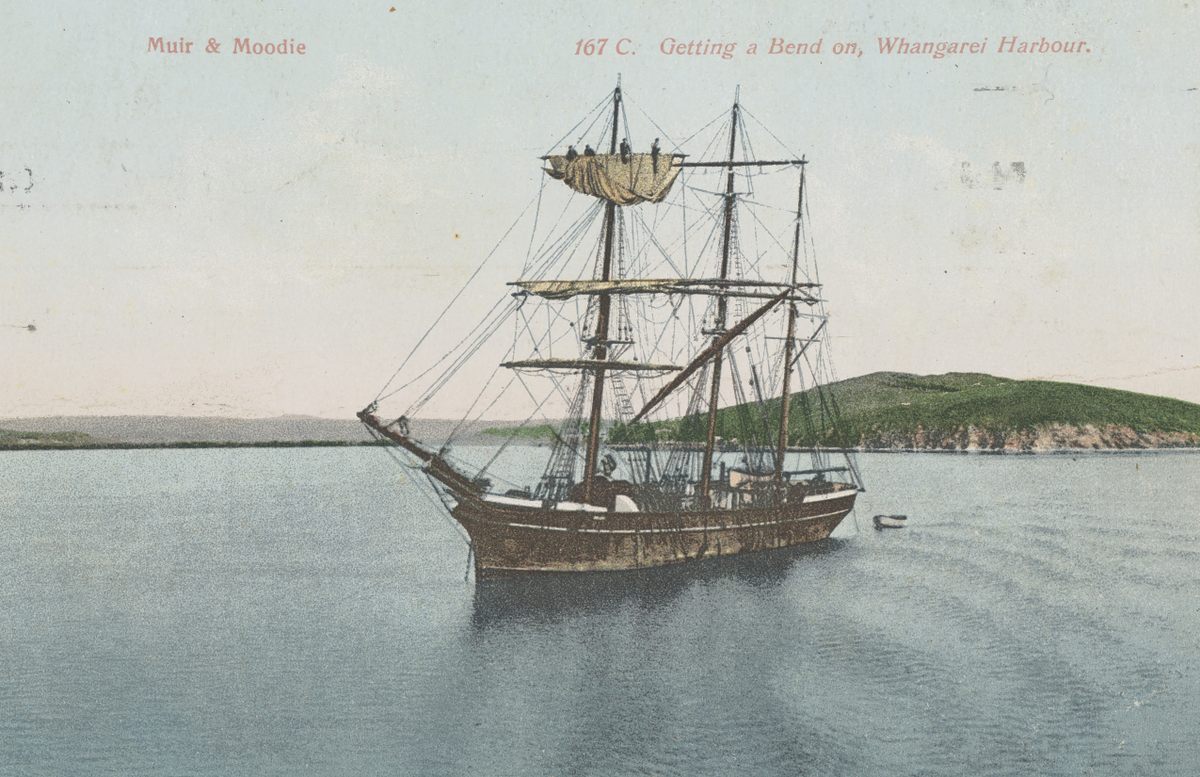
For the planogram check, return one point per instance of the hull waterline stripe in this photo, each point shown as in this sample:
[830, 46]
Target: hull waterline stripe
[830, 495]
[568, 529]
[579, 507]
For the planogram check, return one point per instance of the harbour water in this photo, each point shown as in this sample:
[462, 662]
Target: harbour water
[304, 612]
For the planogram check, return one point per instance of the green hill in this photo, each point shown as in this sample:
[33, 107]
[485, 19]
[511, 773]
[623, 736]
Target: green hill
[539, 433]
[955, 411]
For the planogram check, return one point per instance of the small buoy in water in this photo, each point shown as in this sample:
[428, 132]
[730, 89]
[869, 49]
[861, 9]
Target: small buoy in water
[891, 521]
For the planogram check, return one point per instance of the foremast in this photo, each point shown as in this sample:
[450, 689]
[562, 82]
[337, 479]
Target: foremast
[710, 436]
[600, 343]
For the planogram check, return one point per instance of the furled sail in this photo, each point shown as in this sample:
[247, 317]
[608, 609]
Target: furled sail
[565, 289]
[625, 180]
[588, 364]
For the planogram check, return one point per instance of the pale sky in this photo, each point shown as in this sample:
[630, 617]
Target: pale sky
[255, 236]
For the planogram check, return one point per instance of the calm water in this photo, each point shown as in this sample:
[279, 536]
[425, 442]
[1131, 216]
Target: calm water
[303, 612]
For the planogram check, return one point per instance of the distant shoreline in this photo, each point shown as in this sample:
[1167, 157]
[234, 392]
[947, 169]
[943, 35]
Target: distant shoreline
[123, 446]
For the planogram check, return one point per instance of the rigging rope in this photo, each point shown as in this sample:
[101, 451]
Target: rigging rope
[767, 129]
[513, 436]
[663, 133]
[454, 299]
[595, 109]
[439, 506]
[537, 213]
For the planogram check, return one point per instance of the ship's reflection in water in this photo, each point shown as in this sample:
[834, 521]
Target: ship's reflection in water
[614, 666]
[554, 597]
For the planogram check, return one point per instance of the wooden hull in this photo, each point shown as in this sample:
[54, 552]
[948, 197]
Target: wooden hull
[515, 540]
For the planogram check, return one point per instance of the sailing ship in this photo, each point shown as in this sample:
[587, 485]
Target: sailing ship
[669, 367]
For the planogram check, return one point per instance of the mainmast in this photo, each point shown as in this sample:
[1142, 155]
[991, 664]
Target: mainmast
[785, 399]
[718, 330]
[600, 343]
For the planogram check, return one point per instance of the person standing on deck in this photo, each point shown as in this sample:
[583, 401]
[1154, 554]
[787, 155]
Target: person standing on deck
[625, 150]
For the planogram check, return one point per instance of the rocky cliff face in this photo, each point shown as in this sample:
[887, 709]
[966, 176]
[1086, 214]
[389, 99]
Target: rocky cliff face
[1050, 437]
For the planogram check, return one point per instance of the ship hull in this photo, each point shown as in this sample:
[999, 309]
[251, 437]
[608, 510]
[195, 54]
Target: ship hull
[511, 541]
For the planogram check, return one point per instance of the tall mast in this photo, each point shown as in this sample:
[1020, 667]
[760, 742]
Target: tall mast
[714, 391]
[600, 343]
[785, 399]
